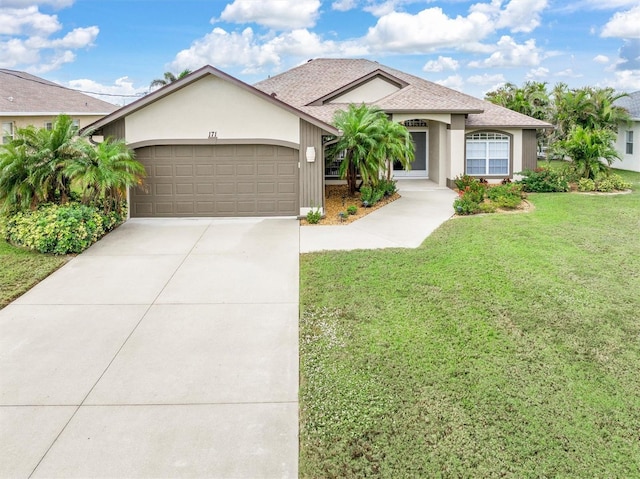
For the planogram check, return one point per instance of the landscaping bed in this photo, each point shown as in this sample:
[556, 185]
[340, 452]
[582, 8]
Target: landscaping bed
[337, 199]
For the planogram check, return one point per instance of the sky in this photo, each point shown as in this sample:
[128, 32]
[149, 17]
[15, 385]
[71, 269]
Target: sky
[117, 47]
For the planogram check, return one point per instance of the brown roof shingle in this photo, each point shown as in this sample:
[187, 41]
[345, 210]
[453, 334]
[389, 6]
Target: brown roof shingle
[305, 84]
[24, 93]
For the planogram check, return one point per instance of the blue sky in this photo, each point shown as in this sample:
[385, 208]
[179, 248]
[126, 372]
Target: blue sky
[119, 46]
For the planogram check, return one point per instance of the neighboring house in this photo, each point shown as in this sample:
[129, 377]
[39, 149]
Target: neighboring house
[29, 100]
[628, 143]
[215, 146]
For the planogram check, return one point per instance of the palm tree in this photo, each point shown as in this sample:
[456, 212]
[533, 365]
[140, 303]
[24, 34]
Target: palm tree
[591, 150]
[105, 172]
[169, 77]
[37, 157]
[360, 126]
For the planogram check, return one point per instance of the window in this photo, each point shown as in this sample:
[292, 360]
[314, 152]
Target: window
[487, 154]
[48, 125]
[76, 124]
[7, 131]
[629, 149]
[332, 165]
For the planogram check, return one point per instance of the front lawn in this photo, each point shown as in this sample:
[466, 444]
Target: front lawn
[20, 270]
[505, 346]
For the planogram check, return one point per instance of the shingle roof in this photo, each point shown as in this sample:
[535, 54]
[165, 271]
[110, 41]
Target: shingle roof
[303, 85]
[23, 93]
[631, 103]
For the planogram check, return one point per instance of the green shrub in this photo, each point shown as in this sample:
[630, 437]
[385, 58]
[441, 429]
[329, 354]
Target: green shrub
[370, 195]
[507, 195]
[314, 216]
[389, 187]
[611, 183]
[56, 229]
[352, 210]
[487, 208]
[586, 184]
[544, 180]
[464, 205]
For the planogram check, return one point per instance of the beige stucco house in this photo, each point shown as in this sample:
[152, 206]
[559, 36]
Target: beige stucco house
[26, 100]
[215, 146]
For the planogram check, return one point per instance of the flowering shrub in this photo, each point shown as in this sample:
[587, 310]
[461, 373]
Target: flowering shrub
[60, 229]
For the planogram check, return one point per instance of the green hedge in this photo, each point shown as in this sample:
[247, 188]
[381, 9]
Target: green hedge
[60, 229]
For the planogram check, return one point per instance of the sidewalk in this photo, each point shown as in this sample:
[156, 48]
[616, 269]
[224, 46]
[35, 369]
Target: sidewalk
[405, 223]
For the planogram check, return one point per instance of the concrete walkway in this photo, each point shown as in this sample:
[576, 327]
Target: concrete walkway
[405, 223]
[168, 349]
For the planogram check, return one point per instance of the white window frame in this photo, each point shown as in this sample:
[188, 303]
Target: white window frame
[629, 142]
[8, 132]
[488, 138]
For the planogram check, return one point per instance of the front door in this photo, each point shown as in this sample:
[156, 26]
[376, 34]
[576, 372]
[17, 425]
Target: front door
[419, 166]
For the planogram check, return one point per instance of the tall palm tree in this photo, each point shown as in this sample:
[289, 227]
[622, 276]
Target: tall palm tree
[395, 144]
[361, 128]
[105, 172]
[168, 77]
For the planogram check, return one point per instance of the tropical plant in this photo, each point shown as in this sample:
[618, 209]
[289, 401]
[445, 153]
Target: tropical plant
[105, 172]
[168, 78]
[588, 107]
[591, 150]
[370, 141]
[531, 99]
[32, 166]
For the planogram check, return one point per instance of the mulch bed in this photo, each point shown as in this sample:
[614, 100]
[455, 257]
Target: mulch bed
[337, 199]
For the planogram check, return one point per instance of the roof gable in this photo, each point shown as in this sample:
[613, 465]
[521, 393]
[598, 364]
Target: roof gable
[192, 78]
[369, 88]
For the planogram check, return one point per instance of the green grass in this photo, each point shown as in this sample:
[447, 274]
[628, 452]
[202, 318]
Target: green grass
[505, 346]
[20, 270]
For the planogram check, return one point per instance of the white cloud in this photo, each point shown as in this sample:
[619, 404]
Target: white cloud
[540, 73]
[568, 73]
[623, 24]
[627, 80]
[425, 31]
[441, 64]
[600, 5]
[227, 49]
[121, 86]
[487, 79]
[517, 15]
[344, 5]
[601, 59]
[30, 44]
[455, 81]
[29, 3]
[508, 53]
[278, 14]
[27, 21]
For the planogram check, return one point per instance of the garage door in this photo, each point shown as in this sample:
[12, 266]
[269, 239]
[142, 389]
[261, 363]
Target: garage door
[220, 180]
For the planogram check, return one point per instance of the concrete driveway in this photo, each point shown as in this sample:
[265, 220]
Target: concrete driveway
[168, 349]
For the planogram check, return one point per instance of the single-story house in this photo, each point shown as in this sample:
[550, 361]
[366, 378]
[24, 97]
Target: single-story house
[216, 146]
[26, 100]
[628, 133]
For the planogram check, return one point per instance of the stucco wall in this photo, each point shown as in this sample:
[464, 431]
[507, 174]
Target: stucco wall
[441, 117]
[629, 162]
[212, 104]
[368, 92]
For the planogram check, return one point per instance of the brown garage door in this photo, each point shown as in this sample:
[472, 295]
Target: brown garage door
[220, 180]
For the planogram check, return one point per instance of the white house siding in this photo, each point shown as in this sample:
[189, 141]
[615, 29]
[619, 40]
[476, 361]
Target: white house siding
[629, 162]
[212, 105]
